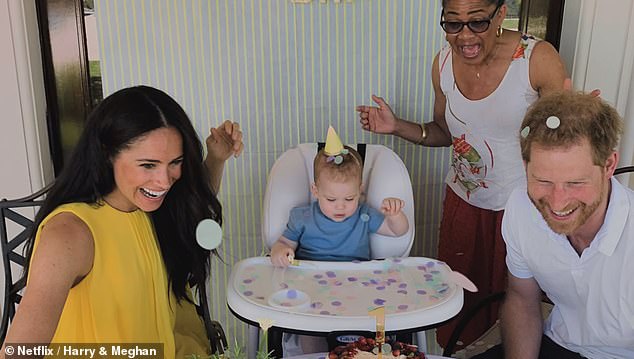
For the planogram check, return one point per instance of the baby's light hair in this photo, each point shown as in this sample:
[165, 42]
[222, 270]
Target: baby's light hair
[350, 168]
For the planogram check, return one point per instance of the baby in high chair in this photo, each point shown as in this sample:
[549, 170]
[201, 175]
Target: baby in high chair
[337, 225]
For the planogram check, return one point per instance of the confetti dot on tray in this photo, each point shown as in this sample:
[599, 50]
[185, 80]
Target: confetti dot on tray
[316, 305]
[402, 307]
[247, 281]
[317, 276]
[402, 285]
[401, 291]
[291, 294]
[379, 301]
[352, 279]
[331, 274]
[323, 282]
[335, 303]
[421, 292]
[380, 287]
[248, 293]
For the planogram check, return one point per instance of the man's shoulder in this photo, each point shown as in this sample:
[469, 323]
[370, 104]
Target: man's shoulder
[517, 199]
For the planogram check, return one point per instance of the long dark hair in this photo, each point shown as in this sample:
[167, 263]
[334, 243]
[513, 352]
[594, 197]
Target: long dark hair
[113, 125]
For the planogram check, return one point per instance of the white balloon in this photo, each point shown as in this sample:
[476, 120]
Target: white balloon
[208, 234]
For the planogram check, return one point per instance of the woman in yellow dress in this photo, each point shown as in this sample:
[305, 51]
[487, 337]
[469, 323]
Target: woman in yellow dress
[115, 253]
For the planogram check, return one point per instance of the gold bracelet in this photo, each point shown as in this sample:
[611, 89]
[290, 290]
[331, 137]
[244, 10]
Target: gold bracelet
[423, 134]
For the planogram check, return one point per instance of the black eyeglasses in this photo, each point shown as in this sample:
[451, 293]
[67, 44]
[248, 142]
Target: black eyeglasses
[476, 26]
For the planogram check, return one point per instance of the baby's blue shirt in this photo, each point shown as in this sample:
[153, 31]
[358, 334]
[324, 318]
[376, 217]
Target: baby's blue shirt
[320, 238]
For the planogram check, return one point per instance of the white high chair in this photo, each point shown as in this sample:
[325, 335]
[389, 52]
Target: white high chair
[288, 186]
[384, 175]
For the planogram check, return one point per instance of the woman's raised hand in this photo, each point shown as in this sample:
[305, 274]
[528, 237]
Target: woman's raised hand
[379, 119]
[225, 141]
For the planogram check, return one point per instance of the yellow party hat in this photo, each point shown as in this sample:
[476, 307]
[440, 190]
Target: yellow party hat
[333, 143]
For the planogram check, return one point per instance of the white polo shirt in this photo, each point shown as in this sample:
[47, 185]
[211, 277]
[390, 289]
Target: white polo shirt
[593, 293]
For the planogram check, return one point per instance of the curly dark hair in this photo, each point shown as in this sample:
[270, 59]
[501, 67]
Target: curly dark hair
[491, 2]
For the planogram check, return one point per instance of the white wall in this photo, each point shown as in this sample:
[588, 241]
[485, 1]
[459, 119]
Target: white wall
[25, 163]
[598, 48]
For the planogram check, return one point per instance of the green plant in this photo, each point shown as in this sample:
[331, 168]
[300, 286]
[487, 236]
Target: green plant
[236, 351]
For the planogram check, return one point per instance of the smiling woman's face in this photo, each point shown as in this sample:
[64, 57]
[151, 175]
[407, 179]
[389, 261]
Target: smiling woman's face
[469, 46]
[146, 170]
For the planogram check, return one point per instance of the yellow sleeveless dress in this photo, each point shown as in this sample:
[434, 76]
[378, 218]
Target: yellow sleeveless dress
[125, 297]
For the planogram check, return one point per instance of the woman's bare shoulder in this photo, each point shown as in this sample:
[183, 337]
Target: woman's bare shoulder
[67, 235]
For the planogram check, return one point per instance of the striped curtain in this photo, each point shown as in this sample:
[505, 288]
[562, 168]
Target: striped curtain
[285, 71]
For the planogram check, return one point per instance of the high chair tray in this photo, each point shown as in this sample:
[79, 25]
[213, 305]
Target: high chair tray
[329, 296]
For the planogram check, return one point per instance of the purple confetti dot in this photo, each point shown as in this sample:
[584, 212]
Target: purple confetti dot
[335, 303]
[317, 276]
[391, 280]
[323, 282]
[365, 284]
[247, 281]
[396, 260]
[291, 294]
[316, 305]
[248, 293]
[380, 287]
[402, 291]
[421, 268]
[338, 283]
[428, 276]
[402, 285]
[421, 292]
[378, 271]
[331, 274]
[379, 301]
[283, 285]
[430, 264]
[402, 307]
[374, 281]
[352, 279]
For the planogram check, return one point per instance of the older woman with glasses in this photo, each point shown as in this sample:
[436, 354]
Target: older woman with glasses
[484, 80]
